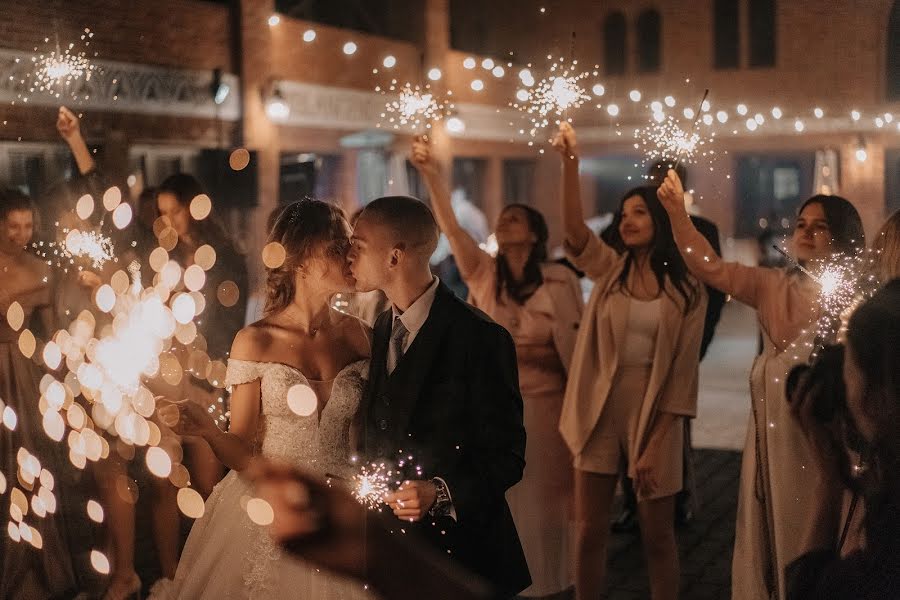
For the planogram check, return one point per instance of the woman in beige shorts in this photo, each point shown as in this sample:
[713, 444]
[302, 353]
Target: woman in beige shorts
[633, 376]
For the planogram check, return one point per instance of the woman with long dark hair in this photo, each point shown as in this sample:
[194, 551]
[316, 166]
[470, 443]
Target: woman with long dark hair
[871, 416]
[777, 495]
[539, 303]
[633, 378]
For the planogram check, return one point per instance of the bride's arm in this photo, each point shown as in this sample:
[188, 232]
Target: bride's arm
[234, 447]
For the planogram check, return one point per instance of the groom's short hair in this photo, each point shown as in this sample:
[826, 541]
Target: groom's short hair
[410, 220]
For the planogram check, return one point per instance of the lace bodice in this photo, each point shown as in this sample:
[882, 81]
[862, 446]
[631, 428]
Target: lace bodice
[320, 441]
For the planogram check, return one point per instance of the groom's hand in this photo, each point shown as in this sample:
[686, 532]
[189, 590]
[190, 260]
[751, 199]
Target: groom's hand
[413, 500]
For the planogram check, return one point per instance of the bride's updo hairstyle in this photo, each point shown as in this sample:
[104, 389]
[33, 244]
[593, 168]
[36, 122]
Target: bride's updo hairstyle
[303, 229]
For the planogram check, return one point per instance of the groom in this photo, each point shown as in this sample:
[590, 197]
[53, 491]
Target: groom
[443, 388]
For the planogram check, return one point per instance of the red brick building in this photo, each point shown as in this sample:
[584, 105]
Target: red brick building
[152, 111]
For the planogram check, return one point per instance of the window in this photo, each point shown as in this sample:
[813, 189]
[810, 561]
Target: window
[649, 24]
[614, 38]
[893, 54]
[762, 33]
[518, 181]
[726, 34]
[468, 176]
[770, 188]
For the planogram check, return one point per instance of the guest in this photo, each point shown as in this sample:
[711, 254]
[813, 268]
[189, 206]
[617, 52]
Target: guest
[776, 496]
[871, 369]
[633, 378]
[25, 571]
[539, 302]
[886, 250]
[687, 498]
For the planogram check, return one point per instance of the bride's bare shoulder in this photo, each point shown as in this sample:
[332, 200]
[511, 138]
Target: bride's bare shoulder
[252, 341]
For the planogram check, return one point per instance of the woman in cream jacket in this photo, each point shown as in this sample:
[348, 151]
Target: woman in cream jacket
[633, 377]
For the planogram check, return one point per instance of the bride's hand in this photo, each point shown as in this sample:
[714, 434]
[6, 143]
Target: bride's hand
[185, 418]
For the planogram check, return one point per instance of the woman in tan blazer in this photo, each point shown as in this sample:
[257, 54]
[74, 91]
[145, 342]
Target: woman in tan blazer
[540, 304]
[633, 378]
[777, 495]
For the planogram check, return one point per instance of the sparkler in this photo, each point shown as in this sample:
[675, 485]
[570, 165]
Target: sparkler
[553, 96]
[413, 106]
[371, 485]
[60, 71]
[665, 138]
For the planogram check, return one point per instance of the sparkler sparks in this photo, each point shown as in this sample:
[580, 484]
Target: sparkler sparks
[371, 485]
[414, 106]
[92, 245]
[548, 100]
[60, 71]
[665, 138]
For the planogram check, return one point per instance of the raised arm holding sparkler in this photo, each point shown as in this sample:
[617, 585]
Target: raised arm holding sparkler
[69, 127]
[778, 494]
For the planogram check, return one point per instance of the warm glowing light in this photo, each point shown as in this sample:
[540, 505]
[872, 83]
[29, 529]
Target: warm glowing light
[95, 511]
[158, 461]
[469, 63]
[190, 503]
[122, 215]
[389, 62]
[84, 207]
[274, 20]
[722, 116]
[15, 316]
[99, 562]
[742, 109]
[861, 154]
[201, 206]
[855, 115]
[194, 278]
[799, 126]
[498, 71]
[455, 125]
[635, 95]
[670, 101]
[434, 74]
[350, 48]
[239, 159]
[260, 511]
[612, 109]
[111, 198]
[105, 298]
[487, 64]
[819, 113]
[309, 35]
[302, 401]
[477, 85]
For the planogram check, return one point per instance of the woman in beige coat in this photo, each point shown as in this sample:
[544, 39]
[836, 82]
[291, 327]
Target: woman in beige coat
[777, 495]
[633, 378]
[540, 304]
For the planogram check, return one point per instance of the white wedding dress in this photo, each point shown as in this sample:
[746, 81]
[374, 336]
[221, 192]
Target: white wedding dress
[227, 556]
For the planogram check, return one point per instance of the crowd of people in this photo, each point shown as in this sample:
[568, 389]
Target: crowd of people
[512, 416]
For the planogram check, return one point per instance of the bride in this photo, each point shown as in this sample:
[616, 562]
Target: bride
[297, 377]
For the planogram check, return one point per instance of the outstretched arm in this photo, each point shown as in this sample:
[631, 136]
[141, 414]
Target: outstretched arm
[747, 284]
[587, 252]
[69, 128]
[465, 249]
[577, 233]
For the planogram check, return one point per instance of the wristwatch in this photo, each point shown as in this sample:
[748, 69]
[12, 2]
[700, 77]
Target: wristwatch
[442, 502]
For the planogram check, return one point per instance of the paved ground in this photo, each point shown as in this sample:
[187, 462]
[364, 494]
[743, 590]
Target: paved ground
[705, 545]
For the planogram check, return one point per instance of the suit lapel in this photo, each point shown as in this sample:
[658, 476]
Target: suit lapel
[406, 382]
[378, 363]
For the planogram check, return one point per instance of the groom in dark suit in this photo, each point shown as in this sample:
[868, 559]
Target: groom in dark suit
[443, 388]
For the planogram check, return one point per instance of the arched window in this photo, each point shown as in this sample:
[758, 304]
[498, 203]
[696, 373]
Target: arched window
[726, 34]
[893, 54]
[614, 38]
[649, 26]
[762, 33]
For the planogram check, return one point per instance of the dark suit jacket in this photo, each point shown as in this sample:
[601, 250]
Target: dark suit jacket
[453, 404]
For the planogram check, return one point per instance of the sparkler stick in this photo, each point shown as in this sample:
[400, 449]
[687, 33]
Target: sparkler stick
[697, 117]
[794, 262]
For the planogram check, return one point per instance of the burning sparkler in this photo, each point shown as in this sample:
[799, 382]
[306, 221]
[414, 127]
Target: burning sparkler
[60, 71]
[372, 484]
[413, 106]
[548, 100]
[665, 138]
